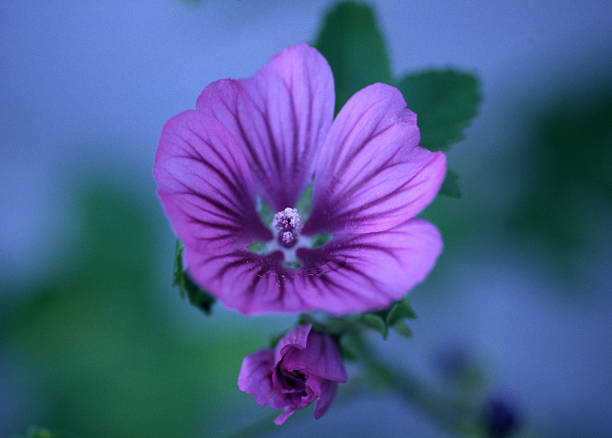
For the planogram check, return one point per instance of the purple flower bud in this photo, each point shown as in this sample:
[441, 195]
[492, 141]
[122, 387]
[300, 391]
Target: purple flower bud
[304, 366]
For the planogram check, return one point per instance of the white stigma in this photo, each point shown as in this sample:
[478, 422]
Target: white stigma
[288, 224]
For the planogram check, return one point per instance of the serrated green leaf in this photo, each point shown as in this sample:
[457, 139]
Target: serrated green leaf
[400, 310]
[450, 187]
[354, 46]
[445, 102]
[376, 322]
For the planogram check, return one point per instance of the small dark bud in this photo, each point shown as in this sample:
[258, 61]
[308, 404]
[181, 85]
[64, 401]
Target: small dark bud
[500, 417]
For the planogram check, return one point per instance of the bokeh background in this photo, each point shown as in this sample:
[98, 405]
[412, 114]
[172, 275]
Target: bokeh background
[95, 342]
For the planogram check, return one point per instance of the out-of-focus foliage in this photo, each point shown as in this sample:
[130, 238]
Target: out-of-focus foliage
[355, 48]
[187, 287]
[393, 316]
[101, 353]
[37, 432]
[445, 102]
[450, 187]
[382, 321]
[567, 202]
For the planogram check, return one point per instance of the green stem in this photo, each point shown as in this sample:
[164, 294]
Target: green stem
[443, 411]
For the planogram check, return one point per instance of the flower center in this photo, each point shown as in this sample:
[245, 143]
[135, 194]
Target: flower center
[288, 224]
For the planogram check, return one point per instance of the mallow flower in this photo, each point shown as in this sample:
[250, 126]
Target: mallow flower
[261, 141]
[305, 365]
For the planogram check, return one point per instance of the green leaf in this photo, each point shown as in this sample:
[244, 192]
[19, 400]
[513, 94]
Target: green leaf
[375, 322]
[403, 329]
[399, 311]
[445, 102]
[198, 297]
[347, 351]
[187, 287]
[355, 48]
[450, 187]
[177, 276]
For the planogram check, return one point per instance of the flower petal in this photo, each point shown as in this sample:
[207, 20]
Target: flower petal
[328, 393]
[283, 417]
[371, 174]
[255, 376]
[320, 358]
[205, 185]
[367, 271]
[296, 338]
[248, 282]
[351, 273]
[280, 117]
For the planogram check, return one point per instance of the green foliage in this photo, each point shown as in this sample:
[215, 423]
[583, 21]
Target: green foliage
[399, 311]
[376, 322]
[393, 316]
[348, 350]
[445, 102]
[403, 329]
[197, 296]
[321, 239]
[37, 432]
[266, 213]
[304, 204]
[355, 48]
[450, 186]
[567, 163]
[103, 354]
[258, 247]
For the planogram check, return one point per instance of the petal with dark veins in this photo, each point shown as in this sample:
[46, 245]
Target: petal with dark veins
[370, 174]
[351, 273]
[280, 117]
[205, 185]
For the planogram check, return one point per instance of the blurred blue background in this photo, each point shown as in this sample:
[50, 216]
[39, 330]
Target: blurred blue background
[95, 342]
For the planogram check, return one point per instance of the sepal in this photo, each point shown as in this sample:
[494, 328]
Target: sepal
[197, 296]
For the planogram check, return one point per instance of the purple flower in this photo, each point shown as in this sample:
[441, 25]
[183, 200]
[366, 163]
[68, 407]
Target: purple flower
[304, 365]
[263, 139]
